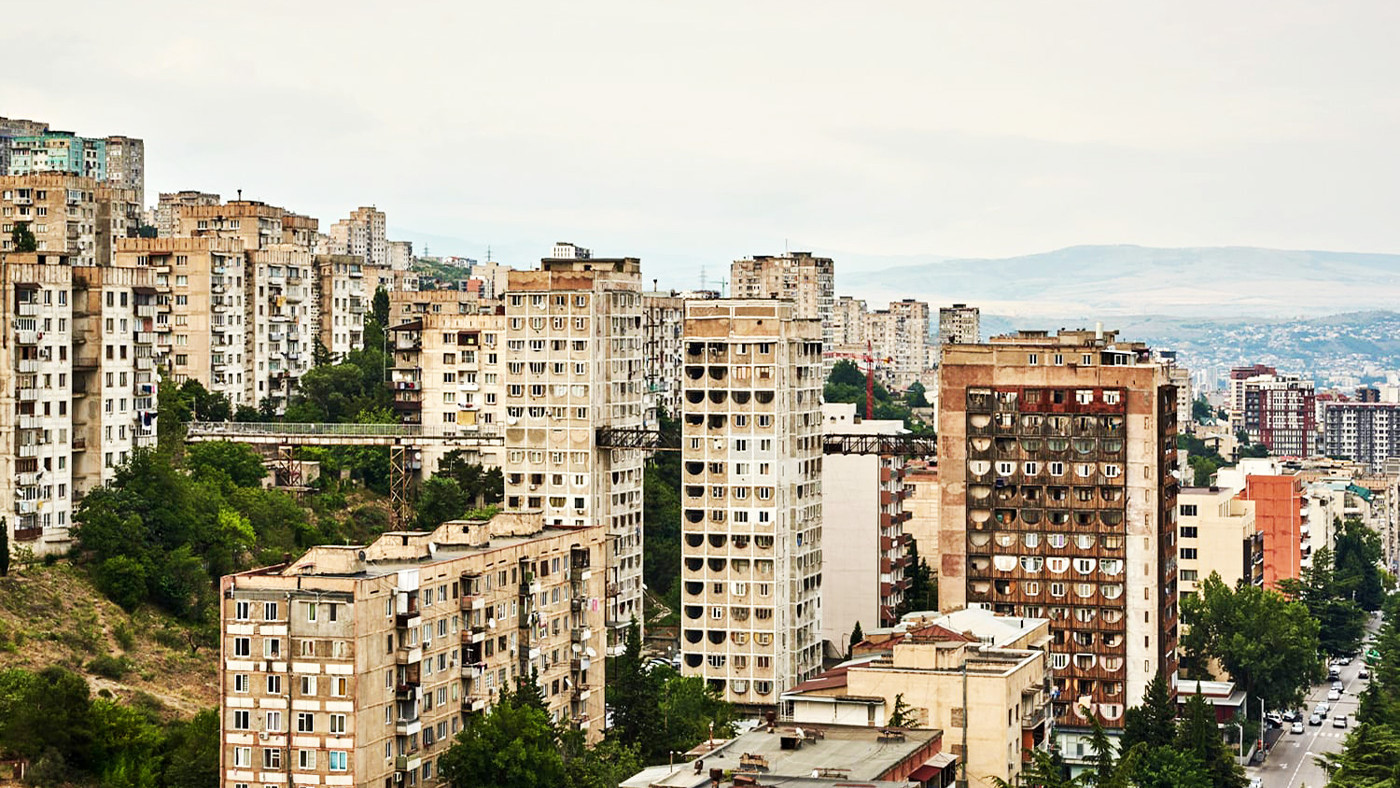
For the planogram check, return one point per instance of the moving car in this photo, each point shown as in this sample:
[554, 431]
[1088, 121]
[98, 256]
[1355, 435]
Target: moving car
[1257, 782]
[1338, 686]
[1339, 721]
[1315, 719]
[1364, 674]
[1334, 695]
[1297, 727]
[1322, 708]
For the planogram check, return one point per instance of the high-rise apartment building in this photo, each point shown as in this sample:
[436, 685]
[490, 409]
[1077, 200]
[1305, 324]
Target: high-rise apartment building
[573, 356]
[200, 327]
[281, 323]
[118, 214]
[170, 206]
[59, 209]
[362, 235]
[1364, 432]
[1276, 410]
[126, 165]
[959, 324]
[751, 455]
[1056, 460]
[1280, 512]
[399, 254]
[808, 281]
[113, 369]
[848, 316]
[343, 300]
[356, 666]
[863, 523]
[36, 470]
[448, 377]
[257, 224]
[663, 318]
[900, 334]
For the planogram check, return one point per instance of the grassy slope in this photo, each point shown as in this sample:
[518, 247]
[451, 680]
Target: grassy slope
[52, 615]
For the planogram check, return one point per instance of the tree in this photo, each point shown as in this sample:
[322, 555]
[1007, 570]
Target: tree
[603, 766]
[1202, 468]
[1201, 411]
[1154, 722]
[123, 580]
[1101, 755]
[22, 239]
[1267, 644]
[205, 404]
[511, 746]
[900, 715]
[192, 752]
[1165, 767]
[691, 709]
[1358, 558]
[856, 637]
[440, 499]
[1199, 734]
[922, 593]
[236, 461]
[634, 697]
[320, 354]
[1341, 622]
[1046, 770]
[380, 307]
[915, 395]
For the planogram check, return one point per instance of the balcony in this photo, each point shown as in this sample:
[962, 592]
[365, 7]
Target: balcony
[408, 656]
[476, 633]
[472, 602]
[26, 337]
[144, 363]
[28, 309]
[28, 395]
[582, 634]
[578, 664]
[27, 366]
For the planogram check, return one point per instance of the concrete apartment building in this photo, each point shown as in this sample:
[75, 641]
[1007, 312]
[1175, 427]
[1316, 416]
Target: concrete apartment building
[959, 324]
[28, 146]
[448, 376]
[898, 335]
[170, 206]
[362, 235]
[399, 254]
[1216, 533]
[200, 330]
[848, 323]
[356, 666]
[663, 317]
[573, 356]
[1364, 432]
[37, 469]
[1056, 460]
[751, 498]
[113, 368]
[990, 697]
[808, 281]
[118, 215]
[1275, 410]
[343, 300]
[862, 522]
[923, 504]
[1280, 512]
[61, 210]
[282, 322]
[126, 165]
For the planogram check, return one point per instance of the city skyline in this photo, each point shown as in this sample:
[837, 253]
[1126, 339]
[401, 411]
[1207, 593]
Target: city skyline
[688, 137]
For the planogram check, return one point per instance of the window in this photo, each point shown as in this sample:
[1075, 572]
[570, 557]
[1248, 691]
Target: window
[274, 685]
[242, 647]
[243, 756]
[1188, 532]
[306, 759]
[1188, 510]
[272, 758]
[306, 722]
[240, 682]
[241, 721]
[274, 721]
[337, 723]
[337, 759]
[272, 647]
[1188, 575]
[310, 611]
[269, 611]
[243, 611]
[1188, 553]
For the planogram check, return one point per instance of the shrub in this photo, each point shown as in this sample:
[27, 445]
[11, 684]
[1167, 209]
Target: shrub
[123, 580]
[108, 666]
[124, 636]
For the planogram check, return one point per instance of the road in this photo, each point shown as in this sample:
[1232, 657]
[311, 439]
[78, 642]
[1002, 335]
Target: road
[1292, 763]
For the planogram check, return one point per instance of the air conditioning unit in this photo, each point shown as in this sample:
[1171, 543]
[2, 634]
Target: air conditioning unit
[262, 735]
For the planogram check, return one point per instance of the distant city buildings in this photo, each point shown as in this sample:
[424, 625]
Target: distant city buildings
[959, 324]
[806, 280]
[1275, 410]
[29, 147]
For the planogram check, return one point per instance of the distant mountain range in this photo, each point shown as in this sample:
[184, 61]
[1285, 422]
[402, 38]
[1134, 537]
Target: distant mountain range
[1088, 283]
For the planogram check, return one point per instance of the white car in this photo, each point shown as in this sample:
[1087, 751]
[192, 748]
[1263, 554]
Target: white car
[1339, 721]
[1334, 695]
[1297, 727]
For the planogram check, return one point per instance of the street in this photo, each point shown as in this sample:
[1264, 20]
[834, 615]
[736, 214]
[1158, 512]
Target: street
[1292, 762]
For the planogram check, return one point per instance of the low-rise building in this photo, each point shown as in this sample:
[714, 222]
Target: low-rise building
[357, 665]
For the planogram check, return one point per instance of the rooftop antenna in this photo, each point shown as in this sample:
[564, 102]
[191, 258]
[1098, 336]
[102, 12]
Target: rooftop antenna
[240, 195]
[488, 253]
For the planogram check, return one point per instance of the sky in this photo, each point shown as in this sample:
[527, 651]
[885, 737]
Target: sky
[689, 134]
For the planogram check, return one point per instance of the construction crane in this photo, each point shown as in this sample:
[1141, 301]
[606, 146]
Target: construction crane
[870, 360]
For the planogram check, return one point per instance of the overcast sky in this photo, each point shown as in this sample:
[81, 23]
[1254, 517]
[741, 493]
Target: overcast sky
[690, 133]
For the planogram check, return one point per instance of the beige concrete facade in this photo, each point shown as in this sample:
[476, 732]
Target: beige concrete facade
[356, 666]
[36, 472]
[1056, 461]
[171, 204]
[281, 323]
[60, 210]
[751, 498]
[663, 318]
[1216, 533]
[126, 166]
[343, 300]
[114, 369]
[959, 324]
[573, 356]
[862, 522]
[362, 235]
[199, 316]
[924, 507]
[808, 281]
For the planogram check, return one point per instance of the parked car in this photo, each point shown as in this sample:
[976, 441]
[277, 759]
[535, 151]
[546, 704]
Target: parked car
[1334, 695]
[1315, 719]
[1364, 674]
[1339, 686]
[1322, 708]
[1275, 719]
[1257, 782]
[1297, 727]
[1339, 721]
[1292, 715]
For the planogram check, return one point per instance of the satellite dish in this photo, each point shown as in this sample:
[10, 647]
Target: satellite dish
[591, 652]
[490, 623]
[577, 648]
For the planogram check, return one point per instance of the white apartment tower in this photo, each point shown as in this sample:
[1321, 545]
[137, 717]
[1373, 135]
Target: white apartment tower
[362, 235]
[573, 356]
[751, 497]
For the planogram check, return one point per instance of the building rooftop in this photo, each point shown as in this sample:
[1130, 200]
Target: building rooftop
[815, 755]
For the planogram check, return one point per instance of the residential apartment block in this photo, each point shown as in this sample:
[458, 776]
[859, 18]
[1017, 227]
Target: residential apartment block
[28, 147]
[959, 324]
[897, 336]
[200, 327]
[113, 368]
[573, 356]
[1273, 409]
[282, 322]
[862, 522]
[37, 467]
[362, 235]
[343, 300]
[1364, 432]
[1280, 512]
[808, 281]
[752, 498]
[356, 666]
[1056, 460]
[61, 210]
[981, 679]
[663, 317]
[171, 205]
[1217, 534]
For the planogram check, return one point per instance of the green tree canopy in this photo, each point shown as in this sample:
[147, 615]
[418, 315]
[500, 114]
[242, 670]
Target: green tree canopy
[511, 746]
[22, 239]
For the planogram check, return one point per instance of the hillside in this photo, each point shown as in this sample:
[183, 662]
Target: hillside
[1088, 282]
[52, 615]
